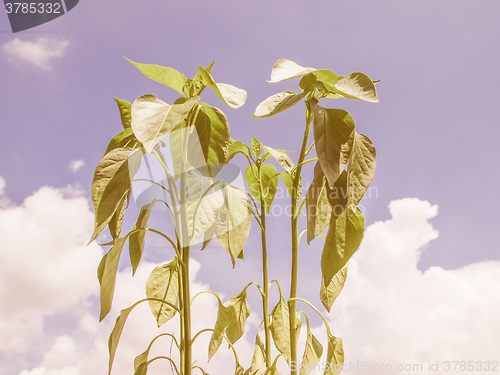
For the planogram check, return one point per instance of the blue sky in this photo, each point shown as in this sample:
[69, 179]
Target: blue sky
[435, 128]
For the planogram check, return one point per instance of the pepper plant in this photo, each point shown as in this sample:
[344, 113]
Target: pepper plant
[201, 206]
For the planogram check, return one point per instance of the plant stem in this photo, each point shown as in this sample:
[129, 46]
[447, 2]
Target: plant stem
[295, 245]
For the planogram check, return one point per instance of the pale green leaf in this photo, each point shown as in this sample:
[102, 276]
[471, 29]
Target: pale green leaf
[255, 147]
[323, 80]
[112, 181]
[318, 207]
[277, 103]
[268, 179]
[312, 352]
[136, 239]
[329, 294]
[116, 222]
[282, 158]
[126, 138]
[361, 168]
[125, 115]
[357, 86]
[153, 119]
[334, 137]
[107, 275]
[286, 69]
[162, 74]
[342, 240]
[238, 147]
[280, 327]
[223, 319]
[258, 359]
[334, 357]
[163, 284]
[232, 96]
[114, 338]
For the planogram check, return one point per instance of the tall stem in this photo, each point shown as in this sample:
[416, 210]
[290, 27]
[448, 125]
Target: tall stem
[265, 277]
[295, 245]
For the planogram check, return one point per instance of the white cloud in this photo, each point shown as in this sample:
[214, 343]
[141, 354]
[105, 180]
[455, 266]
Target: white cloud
[75, 165]
[2, 185]
[39, 53]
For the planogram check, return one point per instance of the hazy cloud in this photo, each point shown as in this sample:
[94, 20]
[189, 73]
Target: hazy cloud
[75, 165]
[39, 53]
[2, 185]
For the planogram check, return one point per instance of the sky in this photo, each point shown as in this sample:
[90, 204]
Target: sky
[424, 285]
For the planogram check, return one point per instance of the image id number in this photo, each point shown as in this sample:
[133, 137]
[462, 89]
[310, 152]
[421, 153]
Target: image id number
[26, 8]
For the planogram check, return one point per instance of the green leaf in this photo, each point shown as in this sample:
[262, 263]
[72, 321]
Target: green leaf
[269, 181]
[277, 103]
[126, 138]
[255, 147]
[337, 195]
[112, 181]
[334, 356]
[153, 119]
[312, 352]
[258, 358]
[163, 283]
[107, 275]
[114, 338]
[334, 137]
[125, 114]
[361, 168]
[136, 239]
[238, 147]
[231, 319]
[329, 294]
[232, 96]
[282, 158]
[287, 179]
[321, 79]
[280, 327]
[116, 222]
[319, 210]
[357, 86]
[287, 69]
[162, 74]
[342, 240]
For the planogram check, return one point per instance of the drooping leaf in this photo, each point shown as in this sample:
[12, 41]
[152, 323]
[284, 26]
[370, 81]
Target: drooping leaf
[318, 207]
[231, 318]
[162, 74]
[361, 168]
[342, 240]
[312, 352]
[323, 80]
[357, 86]
[258, 358]
[114, 338]
[125, 115]
[337, 195]
[277, 103]
[163, 283]
[334, 137]
[334, 357]
[329, 294]
[280, 327]
[282, 158]
[107, 275]
[153, 119]
[255, 147]
[286, 69]
[126, 138]
[232, 96]
[237, 147]
[269, 180]
[136, 239]
[112, 181]
[116, 222]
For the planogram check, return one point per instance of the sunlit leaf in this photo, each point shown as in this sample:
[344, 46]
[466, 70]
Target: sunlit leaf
[337, 195]
[255, 147]
[278, 103]
[107, 275]
[321, 79]
[357, 86]
[162, 74]
[153, 119]
[361, 168]
[238, 147]
[114, 338]
[334, 357]
[112, 181]
[280, 327]
[163, 283]
[125, 115]
[319, 210]
[258, 359]
[116, 222]
[282, 158]
[136, 239]
[342, 240]
[126, 138]
[334, 137]
[232, 96]
[312, 352]
[286, 69]
[329, 294]
[269, 180]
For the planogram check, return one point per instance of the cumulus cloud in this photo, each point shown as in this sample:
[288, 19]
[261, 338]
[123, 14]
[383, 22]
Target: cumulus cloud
[75, 165]
[39, 53]
[2, 185]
